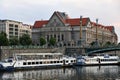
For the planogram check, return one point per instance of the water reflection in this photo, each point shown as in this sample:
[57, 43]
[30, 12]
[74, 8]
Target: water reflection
[76, 73]
[49, 74]
[98, 73]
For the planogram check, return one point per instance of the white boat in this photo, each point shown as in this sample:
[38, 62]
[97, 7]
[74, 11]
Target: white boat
[36, 60]
[97, 60]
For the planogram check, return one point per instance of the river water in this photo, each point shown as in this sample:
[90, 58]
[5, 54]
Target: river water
[76, 73]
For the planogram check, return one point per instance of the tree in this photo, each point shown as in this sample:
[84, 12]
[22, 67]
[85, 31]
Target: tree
[52, 41]
[14, 41]
[118, 44]
[107, 44]
[42, 41]
[3, 39]
[25, 40]
[92, 44]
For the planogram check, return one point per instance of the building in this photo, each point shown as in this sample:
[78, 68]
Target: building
[14, 28]
[72, 31]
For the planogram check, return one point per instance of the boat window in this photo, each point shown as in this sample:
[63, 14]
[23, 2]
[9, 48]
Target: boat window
[61, 62]
[37, 62]
[9, 60]
[57, 61]
[47, 62]
[115, 59]
[51, 62]
[54, 61]
[33, 62]
[71, 61]
[66, 61]
[74, 60]
[24, 63]
[29, 63]
[40, 62]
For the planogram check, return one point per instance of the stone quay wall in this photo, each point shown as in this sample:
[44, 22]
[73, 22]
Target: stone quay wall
[6, 52]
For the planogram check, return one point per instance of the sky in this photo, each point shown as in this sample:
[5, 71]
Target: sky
[28, 11]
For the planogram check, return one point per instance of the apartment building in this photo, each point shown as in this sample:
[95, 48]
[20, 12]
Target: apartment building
[14, 28]
[71, 31]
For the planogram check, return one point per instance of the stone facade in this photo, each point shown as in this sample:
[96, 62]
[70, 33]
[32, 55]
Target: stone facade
[67, 31]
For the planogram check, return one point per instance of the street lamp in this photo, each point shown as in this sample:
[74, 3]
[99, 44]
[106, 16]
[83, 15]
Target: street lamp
[97, 43]
[80, 41]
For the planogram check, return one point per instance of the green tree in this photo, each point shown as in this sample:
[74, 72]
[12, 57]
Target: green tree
[3, 39]
[25, 40]
[108, 44]
[92, 44]
[14, 41]
[118, 44]
[42, 41]
[52, 41]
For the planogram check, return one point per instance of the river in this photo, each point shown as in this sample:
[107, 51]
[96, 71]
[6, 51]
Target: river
[76, 73]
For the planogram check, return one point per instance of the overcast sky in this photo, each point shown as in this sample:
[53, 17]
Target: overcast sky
[28, 11]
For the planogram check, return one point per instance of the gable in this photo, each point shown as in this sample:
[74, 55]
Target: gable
[55, 20]
[89, 24]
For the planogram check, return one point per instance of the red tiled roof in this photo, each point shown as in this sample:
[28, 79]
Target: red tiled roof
[98, 25]
[71, 21]
[110, 28]
[76, 21]
[39, 24]
[93, 23]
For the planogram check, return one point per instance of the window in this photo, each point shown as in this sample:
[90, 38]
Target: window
[11, 25]
[9, 60]
[61, 62]
[29, 63]
[66, 61]
[57, 61]
[40, 62]
[62, 37]
[58, 38]
[24, 63]
[54, 35]
[10, 32]
[33, 62]
[16, 29]
[16, 26]
[51, 62]
[11, 29]
[16, 33]
[37, 62]
[54, 61]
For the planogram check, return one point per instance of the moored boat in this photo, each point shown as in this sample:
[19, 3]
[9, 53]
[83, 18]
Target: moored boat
[97, 60]
[36, 60]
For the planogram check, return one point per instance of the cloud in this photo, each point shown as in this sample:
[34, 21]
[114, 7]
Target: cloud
[28, 11]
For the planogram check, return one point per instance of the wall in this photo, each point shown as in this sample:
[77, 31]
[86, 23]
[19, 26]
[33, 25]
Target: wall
[6, 52]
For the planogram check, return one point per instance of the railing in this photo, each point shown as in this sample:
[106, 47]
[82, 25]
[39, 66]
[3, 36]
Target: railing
[22, 47]
[103, 49]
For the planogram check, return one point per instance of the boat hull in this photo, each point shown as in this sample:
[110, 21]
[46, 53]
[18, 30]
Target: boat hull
[8, 68]
[97, 60]
[78, 64]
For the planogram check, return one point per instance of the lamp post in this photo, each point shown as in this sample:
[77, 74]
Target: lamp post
[80, 42]
[97, 43]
